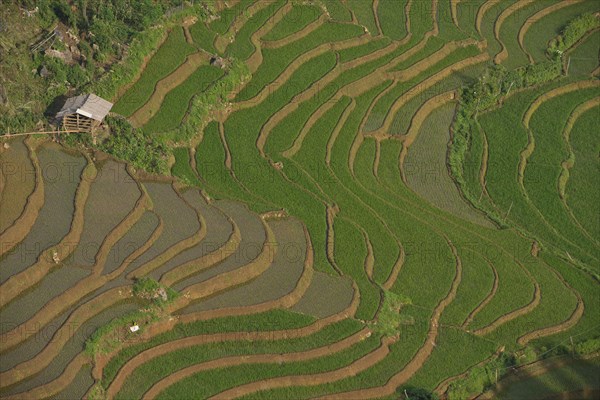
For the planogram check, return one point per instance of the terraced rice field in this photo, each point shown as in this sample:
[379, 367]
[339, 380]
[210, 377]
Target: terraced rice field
[313, 241]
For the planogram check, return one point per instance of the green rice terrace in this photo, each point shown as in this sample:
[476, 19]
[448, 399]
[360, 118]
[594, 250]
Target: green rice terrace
[332, 199]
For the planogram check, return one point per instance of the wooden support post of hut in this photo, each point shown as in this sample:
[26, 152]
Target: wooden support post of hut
[83, 113]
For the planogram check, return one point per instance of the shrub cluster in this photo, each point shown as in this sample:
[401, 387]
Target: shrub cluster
[493, 86]
[573, 32]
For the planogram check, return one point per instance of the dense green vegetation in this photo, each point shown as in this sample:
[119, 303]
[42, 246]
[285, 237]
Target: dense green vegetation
[429, 205]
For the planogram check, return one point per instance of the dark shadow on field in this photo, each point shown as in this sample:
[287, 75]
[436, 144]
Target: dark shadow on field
[55, 106]
[559, 378]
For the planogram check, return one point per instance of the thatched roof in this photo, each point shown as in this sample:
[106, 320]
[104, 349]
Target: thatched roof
[88, 105]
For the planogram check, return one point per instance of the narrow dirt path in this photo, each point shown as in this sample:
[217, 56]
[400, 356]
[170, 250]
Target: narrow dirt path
[487, 299]
[454, 12]
[149, 354]
[275, 358]
[422, 354]
[123, 89]
[256, 59]
[530, 148]
[308, 29]
[510, 10]
[391, 280]
[483, 9]
[22, 281]
[442, 388]
[174, 250]
[56, 386]
[563, 326]
[567, 164]
[535, 301]
[297, 63]
[332, 212]
[15, 233]
[417, 121]
[222, 41]
[211, 259]
[376, 16]
[143, 114]
[537, 17]
[484, 164]
[426, 63]
[377, 159]
[426, 84]
[81, 289]
[42, 359]
[353, 369]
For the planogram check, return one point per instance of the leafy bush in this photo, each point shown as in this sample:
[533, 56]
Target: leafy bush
[216, 97]
[573, 32]
[149, 289]
[414, 393]
[588, 347]
[130, 144]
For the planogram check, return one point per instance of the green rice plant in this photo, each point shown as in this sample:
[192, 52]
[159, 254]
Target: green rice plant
[160, 367]
[550, 311]
[434, 44]
[382, 107]
[203, 37]
[543, 166]
[580, 191]
[487, 26]
[259, 173]
[294, 21]
[421, 19]
[442, 364]
[392, 18]
[424, 250]
[371, 46]
[286, 132]
[582, 60]
[169, 56]
[543, 31]
[425, 166]
[177, 101]
[476, 285]
[350, 252]
[587, 326]
[277, 60]
[242, 48]
[337, 10]
[251, 373]
[510, 31]
[447, 28]
[364, 13]
[228, 15]
[182, 168]
[466, 13]
[401, 352]
[263, 322]
[505, 144]
[210, 162]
